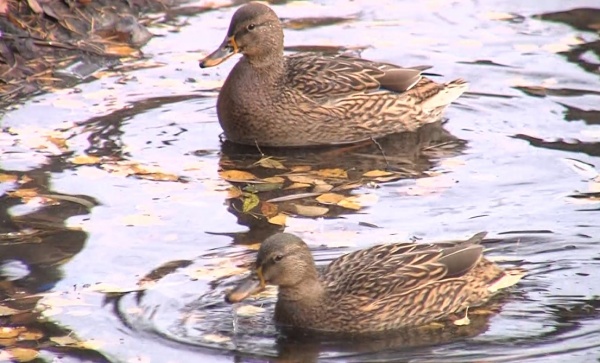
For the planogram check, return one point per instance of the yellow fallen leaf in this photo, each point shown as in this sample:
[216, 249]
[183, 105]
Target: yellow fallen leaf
[349, 204]
[31, 335]
[250, 201]
[304, 179]
[236, 175]
[322, 188]
[85, 160]
[24, 193]
[332, 173]
[270, 163]
[300, 168]
[278, 219]
[298, 186]
[7, 332]
[233, 193]
[7, 178]
[274, 180]
[377, 173]
[330, 198]
[23, 354]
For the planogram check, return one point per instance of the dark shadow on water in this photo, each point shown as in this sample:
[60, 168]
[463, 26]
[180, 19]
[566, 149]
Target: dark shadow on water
[584, 19]
[33, 248]
[589, 148]
[405, 156]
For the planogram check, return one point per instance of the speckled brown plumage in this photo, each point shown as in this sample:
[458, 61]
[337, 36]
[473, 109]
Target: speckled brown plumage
[311, 99]
[380, 288]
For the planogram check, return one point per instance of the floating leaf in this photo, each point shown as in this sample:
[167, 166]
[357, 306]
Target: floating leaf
[304, 179]
[250, 201]
[278, 219]
[300, 168]
[309, 211]
[270, 163]
[322, 188]
[349, 204]
[234, 192]
[274, 180]
[377, 173]
[332, 173]
[236, 175]
[7, 332]
[31, 335]
[23, 354]
[268, 209]
[330, 198]
[85, 160]
[298, 186]
[8, 178]
[24, 193]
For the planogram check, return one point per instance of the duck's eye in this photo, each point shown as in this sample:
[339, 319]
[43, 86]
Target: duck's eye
[277, 258]
[251, 27]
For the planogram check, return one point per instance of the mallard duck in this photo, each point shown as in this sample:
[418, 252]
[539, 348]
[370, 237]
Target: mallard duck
[307, 99]
[384, 287]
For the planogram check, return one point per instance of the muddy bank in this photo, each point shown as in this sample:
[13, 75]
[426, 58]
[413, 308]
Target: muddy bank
[47, 44]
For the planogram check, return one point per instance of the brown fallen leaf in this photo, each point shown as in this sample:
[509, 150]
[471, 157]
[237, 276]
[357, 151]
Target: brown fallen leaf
[330, 198]
[234, 192]
[300, 168]
[322, 188]
[377, 173]
[305, 179]
[268, 209]
[236, 175]
[8, 178]
[23, 354]
[332, 173]
[349, 204]
[274, 180]
[297, 186]
[24, 193]
[269, 162]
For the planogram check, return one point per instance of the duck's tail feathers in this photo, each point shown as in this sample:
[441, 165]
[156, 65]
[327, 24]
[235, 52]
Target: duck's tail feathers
[447, 94]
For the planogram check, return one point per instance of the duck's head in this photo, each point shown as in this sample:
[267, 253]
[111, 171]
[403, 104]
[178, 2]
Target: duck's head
[255, 31]
[283, 260]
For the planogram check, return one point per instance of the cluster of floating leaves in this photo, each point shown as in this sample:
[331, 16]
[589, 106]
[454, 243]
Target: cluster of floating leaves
[300, 190]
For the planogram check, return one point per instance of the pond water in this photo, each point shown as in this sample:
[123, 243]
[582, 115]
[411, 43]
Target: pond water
[121, 229]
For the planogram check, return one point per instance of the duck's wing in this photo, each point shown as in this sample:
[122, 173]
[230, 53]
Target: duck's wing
[384, 270]
[322, 78]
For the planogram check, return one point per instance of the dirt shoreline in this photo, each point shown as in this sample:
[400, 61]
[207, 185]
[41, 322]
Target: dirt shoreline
[47, 44]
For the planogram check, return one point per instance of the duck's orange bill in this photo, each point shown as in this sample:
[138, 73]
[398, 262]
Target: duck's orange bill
[251, 285]
[228, 48]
